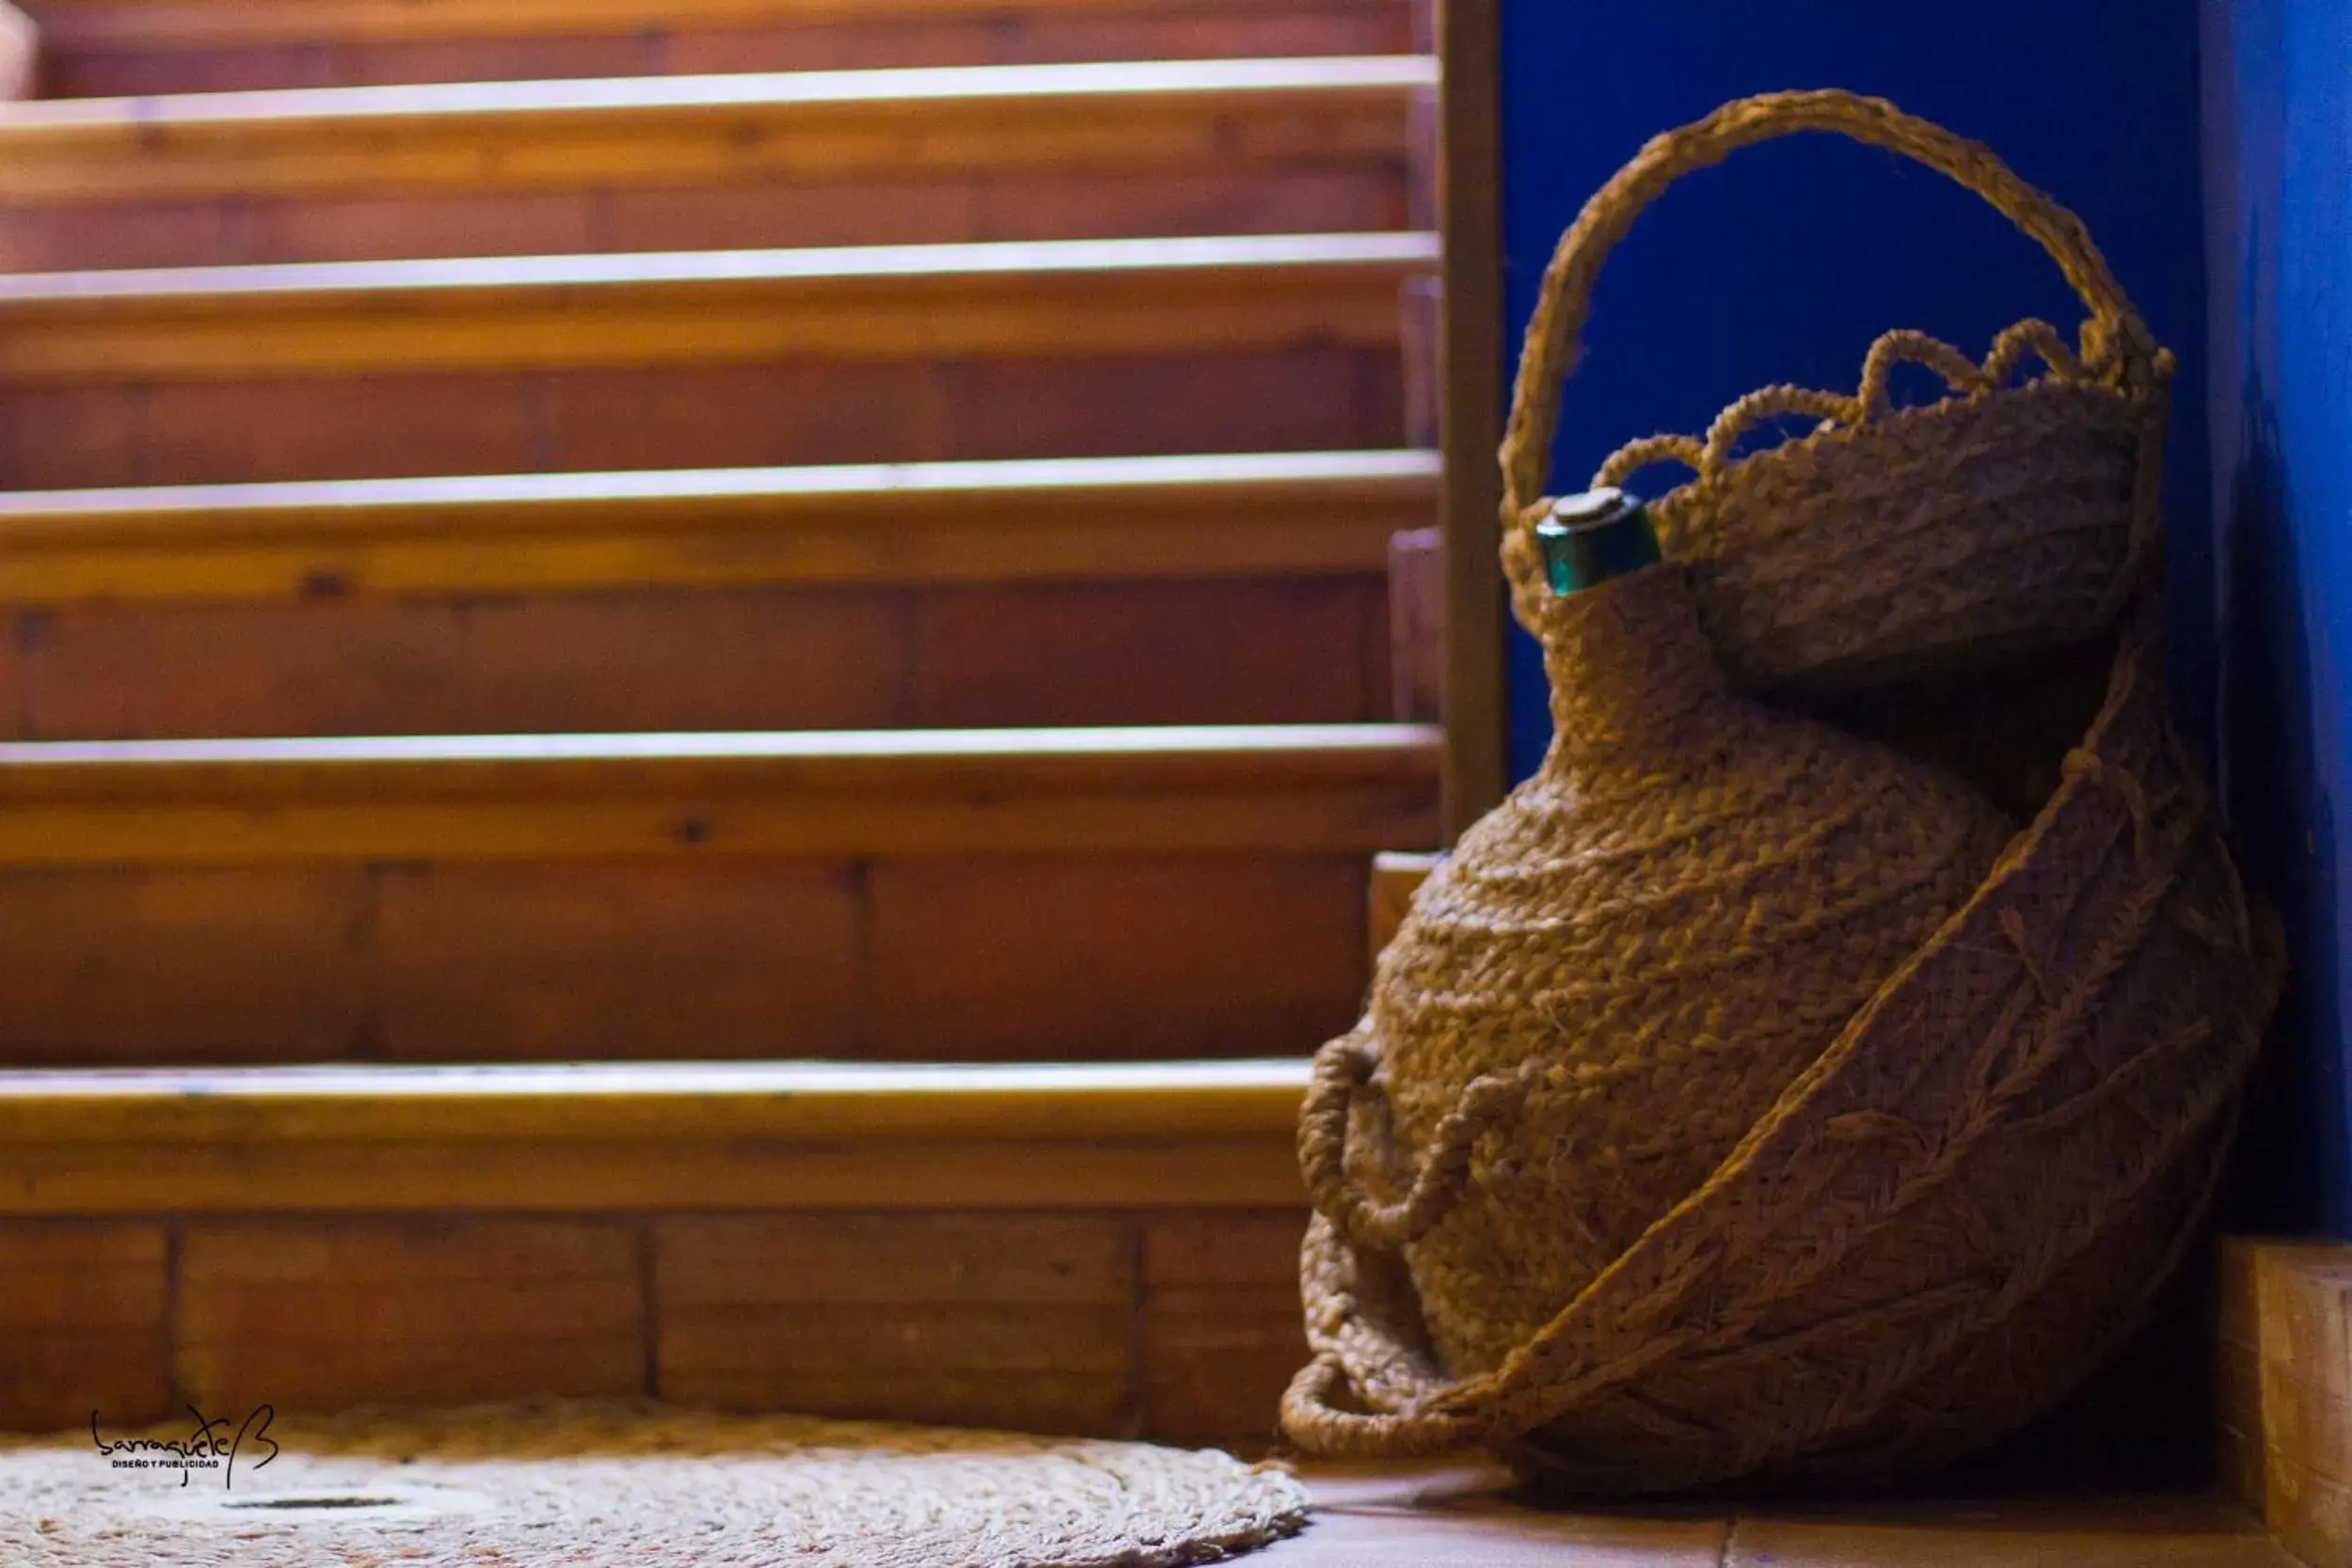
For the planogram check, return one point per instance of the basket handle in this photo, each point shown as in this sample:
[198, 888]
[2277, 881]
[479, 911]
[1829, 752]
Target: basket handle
[1565, 299]
[1343, 1073]
[1313, 1418]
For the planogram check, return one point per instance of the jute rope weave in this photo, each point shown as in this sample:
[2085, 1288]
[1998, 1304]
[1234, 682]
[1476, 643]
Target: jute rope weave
[585, 1485]
[2001, 516]
[1624, 1179]
[1621, 968]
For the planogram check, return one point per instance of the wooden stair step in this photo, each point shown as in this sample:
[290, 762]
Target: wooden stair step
[1200, 515]
[1159, 789]
[635, 1138]
[1069, 297]
[725, 162]
[1195, 590]
[1092, 1248]
[711, 358]
[963, 895]
[831, 125]
[114, 47]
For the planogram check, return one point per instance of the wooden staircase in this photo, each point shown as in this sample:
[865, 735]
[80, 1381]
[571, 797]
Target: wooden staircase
[517, 550]
[646, 564]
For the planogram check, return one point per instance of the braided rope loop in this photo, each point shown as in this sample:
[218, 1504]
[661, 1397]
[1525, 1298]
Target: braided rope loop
[2114, 339]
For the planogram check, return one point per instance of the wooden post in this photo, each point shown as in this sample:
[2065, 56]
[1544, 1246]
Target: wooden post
[2286, 1391]
[20, 54]
[1467, 34]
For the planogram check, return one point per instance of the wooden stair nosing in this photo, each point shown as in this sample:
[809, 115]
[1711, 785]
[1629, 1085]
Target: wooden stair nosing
[637, 1137]
[1284, 788]
[1054, 299]
[90, 25]
[831, 125]
[1070, 519]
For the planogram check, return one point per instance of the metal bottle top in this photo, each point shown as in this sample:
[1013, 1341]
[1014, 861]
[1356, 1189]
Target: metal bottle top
[1591, 538]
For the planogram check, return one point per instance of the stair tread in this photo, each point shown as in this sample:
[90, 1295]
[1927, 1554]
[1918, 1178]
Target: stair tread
[1024, 258]
[549, 500]
[152, 122]
[1293, 789]
[649, 1135]
[1101, 519]
[1061, 298]
[696, 1099]
[817, 755]
[1229, 114]
[274, 285]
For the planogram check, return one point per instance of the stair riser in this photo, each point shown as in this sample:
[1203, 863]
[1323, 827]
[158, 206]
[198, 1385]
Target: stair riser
[791, 128]
[228, 231]
[1178, 1323]
[744, 414]
[1119, 955]
[82, 64]
[1268, 652]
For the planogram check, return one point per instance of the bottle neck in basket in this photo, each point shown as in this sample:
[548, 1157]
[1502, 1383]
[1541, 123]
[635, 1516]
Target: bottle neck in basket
[1635, 684]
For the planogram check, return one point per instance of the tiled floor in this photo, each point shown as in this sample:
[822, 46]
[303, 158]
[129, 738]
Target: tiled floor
[1463, 1518]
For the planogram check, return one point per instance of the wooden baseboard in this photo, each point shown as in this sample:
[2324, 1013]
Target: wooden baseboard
[2285, 1388]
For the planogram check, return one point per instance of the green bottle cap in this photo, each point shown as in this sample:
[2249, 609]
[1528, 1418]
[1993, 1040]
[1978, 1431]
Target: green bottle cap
[1591, 538]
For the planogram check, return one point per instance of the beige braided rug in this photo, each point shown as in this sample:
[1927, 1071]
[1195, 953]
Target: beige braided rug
[519, 1487]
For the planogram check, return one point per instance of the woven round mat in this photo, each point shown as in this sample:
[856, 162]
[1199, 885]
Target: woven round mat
[588, 1485]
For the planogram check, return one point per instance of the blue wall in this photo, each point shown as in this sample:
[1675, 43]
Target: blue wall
[1784, 262]
[2279, 143]
[2209, 147]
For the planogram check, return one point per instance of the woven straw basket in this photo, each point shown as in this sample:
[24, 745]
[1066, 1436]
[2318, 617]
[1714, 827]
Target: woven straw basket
[1931, 1232]
[2002, 517]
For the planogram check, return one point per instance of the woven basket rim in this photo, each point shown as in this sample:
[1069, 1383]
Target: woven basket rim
[2112, 342]
[2115, 394]
[2125, 414]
